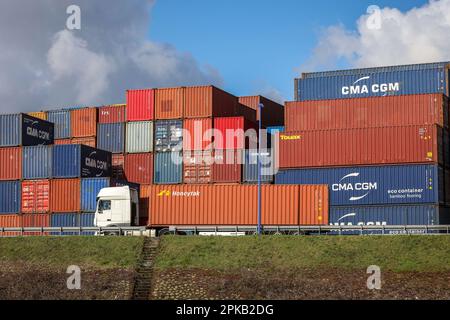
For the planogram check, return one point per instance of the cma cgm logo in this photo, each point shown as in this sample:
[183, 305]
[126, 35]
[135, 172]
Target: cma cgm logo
[358, 88]
[365, 187]
[344, 221]
[168, 193]
[294, 137]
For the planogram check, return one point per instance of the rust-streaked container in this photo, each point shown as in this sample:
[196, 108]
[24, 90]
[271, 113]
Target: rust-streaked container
[39, 114]
[36, 221]
[209, 101]
[84, 122]
[140, 105]
[10, 163]
[63, 141]
[370, 146]
[10, 221]
[200, 134]
[144, 203]
[118, 166]
[87, 141]
[272, 113]
[423, 109]
[112, 114]
[227, 167]
[36, 196]
[236, 205]
[197, 167]
[139, 168]
[169, 103]
[230, 133]
[65, 195]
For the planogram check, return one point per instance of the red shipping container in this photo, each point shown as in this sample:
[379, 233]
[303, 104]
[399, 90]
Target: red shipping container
[84, 122]
[169, 103]
[235, 133]
[424, 109]
[63, 141]
[197, 167]
[36, 196]
[10, 221]
[209, 101]
[65, 195]
[227, 167]
[370, 146]
[11, 163]
[118, 163]
[247, 113]
[272, 113]
[200, 134]
[139, 168]
[140, 105]
[90, 141]
[36, 221]
[112, 114]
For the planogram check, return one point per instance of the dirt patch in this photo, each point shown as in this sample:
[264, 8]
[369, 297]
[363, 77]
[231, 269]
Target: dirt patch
[297, 285]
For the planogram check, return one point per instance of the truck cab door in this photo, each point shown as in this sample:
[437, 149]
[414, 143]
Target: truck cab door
[105, 212]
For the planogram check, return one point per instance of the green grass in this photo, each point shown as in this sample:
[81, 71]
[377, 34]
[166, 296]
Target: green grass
[394, 253]
[86, 252]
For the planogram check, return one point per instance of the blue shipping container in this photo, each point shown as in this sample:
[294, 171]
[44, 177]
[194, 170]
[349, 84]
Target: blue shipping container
[62, 121]
[60, 220]
[411, 184]
[168, 135]
[251, 166]
[37, 162]
[274, 130]
[24, 130]
[87, 220]
[90, 187]
[111, 137]
[373, 82]
[10, 196]
[168, 168]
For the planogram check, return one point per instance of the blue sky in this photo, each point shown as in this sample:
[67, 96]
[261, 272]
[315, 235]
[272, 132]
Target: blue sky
[255, 43]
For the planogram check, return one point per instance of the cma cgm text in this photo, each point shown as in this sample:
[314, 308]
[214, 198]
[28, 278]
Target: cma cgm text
[363, 186]
[375, 88]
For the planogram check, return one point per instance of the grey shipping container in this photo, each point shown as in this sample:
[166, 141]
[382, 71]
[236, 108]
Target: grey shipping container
[10, 194]
[62, 121]
[251, 166]
[24, 130]
[111, 137]
[37, 162]
[139, 137]
[168, 135]
[168, 168]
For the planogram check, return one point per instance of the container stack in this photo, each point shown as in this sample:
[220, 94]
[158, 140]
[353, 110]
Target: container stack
[378, 137]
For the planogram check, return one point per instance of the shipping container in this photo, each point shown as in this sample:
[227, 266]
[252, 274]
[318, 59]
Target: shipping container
[227, 167]
[197, 167]
[168, 168]
[111, 137]
[235, 133]
[87, 221]
[425, 109]
[10, 221]
[80, 161]
[84, 122]
[37, 162]
[36, 221]
[275, 130]
[9, 197]
[268, 166]
[65, 195]
[139, 168]
[59, 142]
[140, 105]
[365, 146]
[39, 114]
[61, 119]
[209, 101]
[24, 130]
[144, 203]
[236, 205]
[169, 103]
[198, 134]
[168, 135]
[112, 114]
[87, 141]
[64, 220]
[246, 112]
[90, 187]
[36, 196]
[139, 137]
[372, 82]
[10, 163]
[272, 112]
[118, 164]
[409, 184]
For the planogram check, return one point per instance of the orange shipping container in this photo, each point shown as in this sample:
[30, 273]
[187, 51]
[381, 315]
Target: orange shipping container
[63, 141]
[11, 163]
[272, 113]
[84, 122]
[40, 115]
[236, 205]
[36, 196]
[10, 221]
[200, 134]
[65, 195]
[209, 101]
[88, 141]
[118, 163]
[169, 103]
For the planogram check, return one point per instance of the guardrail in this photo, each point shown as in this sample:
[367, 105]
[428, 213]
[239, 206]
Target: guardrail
[44, 231]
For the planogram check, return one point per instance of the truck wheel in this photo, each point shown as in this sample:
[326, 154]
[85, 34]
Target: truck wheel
[165, 232]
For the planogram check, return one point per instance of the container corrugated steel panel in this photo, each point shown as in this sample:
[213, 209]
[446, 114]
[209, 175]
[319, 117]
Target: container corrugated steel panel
[139, 137]
[374, 185]
[235, 133]
[65, 195]
[118, 163]
[87, 141]
[365, 146]
[10, 221]
[11, 163]
[87, 220]
[251, 166]
[209, 101]
[169, 103]
[9, 130]
[140, 105]
[9, 197]
[36, 221]
[356, 83]
[168, 168]
[199, 133]
[36, 196]
[111, 137]
[168, 135]
[197, 167]
[25, 130]
[246, 112]
[37, 162]
[61, 220]
[272, 113]
[59, 142]
[84, 122]
[112, 114]
[61, 119]
[314, 205]
[232, 205]
[90, 187]
[139, 168]
[227, 167]
[426, 109]
[39, 114]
